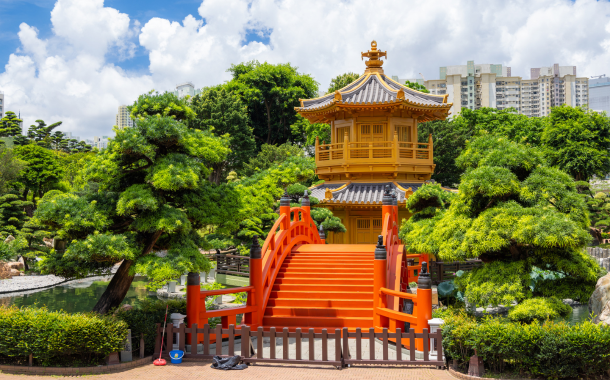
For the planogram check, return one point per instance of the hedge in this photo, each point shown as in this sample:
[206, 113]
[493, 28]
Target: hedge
[550, 349]
[58, 338]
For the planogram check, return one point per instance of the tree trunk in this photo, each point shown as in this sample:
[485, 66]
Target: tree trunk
[121, 281]
[116, 290]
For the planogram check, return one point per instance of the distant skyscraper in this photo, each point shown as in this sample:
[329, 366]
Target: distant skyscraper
[1, 104]
[186, 88]
[599, 93]
[100, 143]
[123, 120]
[492, 85]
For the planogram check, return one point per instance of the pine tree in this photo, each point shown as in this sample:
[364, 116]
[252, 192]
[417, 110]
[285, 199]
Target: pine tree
[12, 214]
[9, 125]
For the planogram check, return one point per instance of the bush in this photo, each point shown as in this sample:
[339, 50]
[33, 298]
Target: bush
[550, 350]
[145, 317]
[58, 337]
[539, 309]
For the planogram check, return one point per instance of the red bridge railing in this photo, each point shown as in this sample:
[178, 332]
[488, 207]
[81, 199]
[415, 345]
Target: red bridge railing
[293, 227]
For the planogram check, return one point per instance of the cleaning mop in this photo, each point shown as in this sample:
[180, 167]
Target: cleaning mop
[162, 361]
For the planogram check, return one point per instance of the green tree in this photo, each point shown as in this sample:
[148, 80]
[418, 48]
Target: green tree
[162, 104]
[10, 167]
[515, 213]
[450, 136]
[42, 172]
[341, 81]
[305, 134]
[147, 191]
[41, 133]
[271, 155]
[271, 92]
[578, 141]
[223, 113]
[417, 86]
[9, 125]
[12, 214]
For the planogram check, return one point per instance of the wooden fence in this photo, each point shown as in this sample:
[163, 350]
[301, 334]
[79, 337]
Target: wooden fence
[441, 271]
[338, 348]
[228, 263]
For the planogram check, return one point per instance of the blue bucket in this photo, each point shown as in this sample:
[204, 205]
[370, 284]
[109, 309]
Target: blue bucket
[176, 356]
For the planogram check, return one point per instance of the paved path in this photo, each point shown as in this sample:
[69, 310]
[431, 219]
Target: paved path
[202, 370]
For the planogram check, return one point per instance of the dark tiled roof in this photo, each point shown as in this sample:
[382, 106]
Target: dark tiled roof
[369, 89]
[361, 193]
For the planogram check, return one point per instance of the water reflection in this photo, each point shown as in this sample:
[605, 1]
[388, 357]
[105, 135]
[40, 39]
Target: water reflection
[78, 296]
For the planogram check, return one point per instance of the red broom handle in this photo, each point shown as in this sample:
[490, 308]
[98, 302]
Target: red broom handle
[163, 333]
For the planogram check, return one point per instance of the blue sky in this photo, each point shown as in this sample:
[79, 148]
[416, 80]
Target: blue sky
[94, 55]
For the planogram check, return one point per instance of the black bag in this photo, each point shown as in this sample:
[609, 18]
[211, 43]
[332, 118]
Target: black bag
[228, 363]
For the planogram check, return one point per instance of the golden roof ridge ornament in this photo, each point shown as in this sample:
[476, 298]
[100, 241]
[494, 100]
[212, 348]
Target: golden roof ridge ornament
[374, 55]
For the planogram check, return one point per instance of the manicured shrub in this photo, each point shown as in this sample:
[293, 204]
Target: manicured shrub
[551, 350]
[539, 309]
[144, 319]
[58, 338]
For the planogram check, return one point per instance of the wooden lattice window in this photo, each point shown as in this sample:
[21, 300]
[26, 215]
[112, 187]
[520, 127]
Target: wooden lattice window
[404, 133]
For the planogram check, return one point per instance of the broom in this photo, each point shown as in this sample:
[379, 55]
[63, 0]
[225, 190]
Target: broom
[162, 361]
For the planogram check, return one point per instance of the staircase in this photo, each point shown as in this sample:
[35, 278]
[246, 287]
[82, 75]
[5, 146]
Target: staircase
[323, 286]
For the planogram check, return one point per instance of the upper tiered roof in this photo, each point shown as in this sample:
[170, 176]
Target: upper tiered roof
[374, 90]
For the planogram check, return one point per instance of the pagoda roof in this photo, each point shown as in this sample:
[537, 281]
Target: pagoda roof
[372, 89]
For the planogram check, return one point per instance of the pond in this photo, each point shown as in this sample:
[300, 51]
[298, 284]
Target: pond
[77, 296]
[579, 314]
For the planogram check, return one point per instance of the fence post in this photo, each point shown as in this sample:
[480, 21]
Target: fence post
[193, 298]
[305, 205]
[345, 146]
[424, 302]
[379, 281]
[430, 150]
[322, 235]
[317, 158]
[395, 151]
[285, 210]
[256, 280]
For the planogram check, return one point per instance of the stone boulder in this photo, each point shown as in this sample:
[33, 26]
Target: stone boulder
[599, 304]
[15, 265]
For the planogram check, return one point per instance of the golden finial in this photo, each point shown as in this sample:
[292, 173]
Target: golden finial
[374, 55]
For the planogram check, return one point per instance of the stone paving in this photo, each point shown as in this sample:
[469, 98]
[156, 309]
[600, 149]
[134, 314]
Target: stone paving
[202, 370]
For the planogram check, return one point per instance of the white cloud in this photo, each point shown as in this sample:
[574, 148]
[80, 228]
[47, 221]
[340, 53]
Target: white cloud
[68, 77]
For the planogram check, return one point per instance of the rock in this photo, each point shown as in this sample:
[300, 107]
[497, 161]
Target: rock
[15, 265]
[9, 239]
[599, 303]
[48, 242]
[15, 272]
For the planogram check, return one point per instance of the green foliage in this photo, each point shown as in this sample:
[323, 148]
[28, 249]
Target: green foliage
[271, 92]
[164, 105]
[540, 309]
[513, 212]
[417, 86]
[148, 189]
[143, 319]
[549, 350]
[496, 283]
[58, 337]
[223, 113]
[9, 125]
[43, 171]
[12, 214]
[305, 133]
[270, 156]
[10, 167]
[578, 141]
[341, 81]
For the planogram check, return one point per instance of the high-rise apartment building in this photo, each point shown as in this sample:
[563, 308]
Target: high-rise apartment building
[100, 143]
[186, 88]
[1, 104]
[599, 93]
[492, 85]
[123, 120]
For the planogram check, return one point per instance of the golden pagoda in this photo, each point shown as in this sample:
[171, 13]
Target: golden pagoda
[373, 144]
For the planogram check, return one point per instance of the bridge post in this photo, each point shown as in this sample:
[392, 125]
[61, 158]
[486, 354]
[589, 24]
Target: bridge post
[193, 298]
[424, 303]
[305, 205]
[379, 281]
[395, 208]
[285, 210]
[256, 280]
[387, 205]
